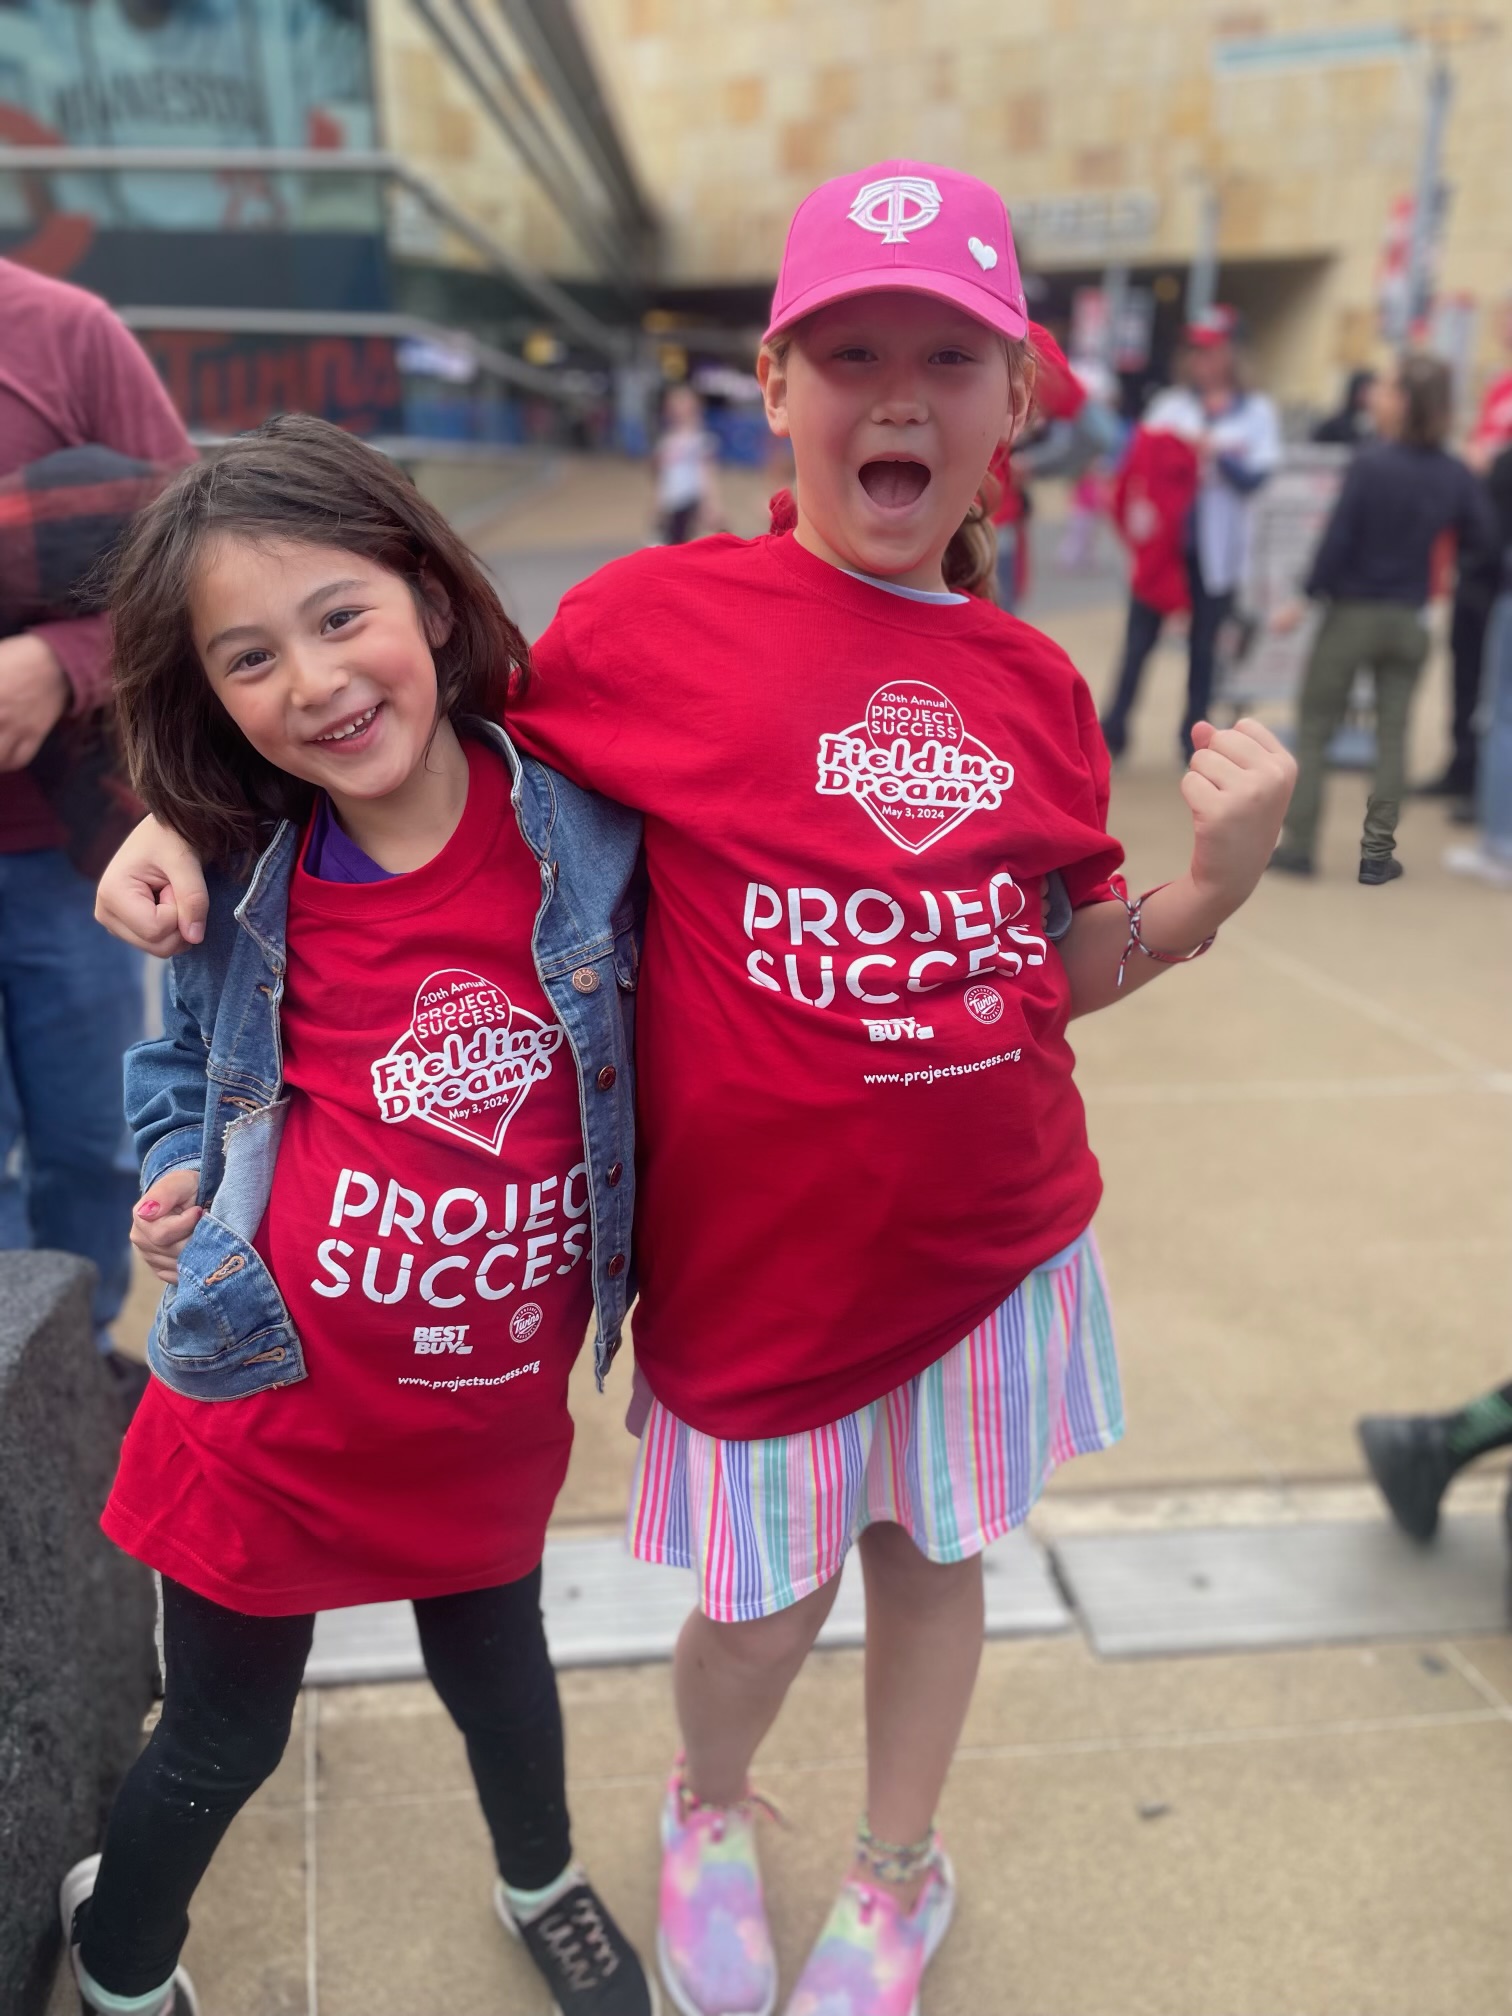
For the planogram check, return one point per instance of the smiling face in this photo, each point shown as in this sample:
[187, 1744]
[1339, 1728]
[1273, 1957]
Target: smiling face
[323, 660]
[894, 403]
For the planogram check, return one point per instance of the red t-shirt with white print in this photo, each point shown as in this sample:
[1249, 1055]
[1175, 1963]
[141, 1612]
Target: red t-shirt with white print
[428, 1229]
[858, 1131]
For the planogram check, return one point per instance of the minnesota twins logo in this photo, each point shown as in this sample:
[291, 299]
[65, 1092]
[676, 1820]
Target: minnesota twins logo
[895, 206]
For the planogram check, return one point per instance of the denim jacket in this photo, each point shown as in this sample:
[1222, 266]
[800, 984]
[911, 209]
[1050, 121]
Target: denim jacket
[209, 1093]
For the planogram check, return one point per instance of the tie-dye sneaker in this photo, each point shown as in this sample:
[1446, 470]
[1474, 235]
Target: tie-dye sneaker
[712, 1942]
[871, 1955]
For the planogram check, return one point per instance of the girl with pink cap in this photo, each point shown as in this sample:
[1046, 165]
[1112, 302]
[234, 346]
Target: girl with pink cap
[881, 884]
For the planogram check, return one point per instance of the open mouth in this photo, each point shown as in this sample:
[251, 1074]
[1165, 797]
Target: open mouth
[894, 485]
[350, 730]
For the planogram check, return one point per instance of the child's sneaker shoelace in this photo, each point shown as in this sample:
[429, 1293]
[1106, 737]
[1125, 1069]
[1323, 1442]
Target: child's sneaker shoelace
[580, 1952]
[871, 1956]
[713, 1942]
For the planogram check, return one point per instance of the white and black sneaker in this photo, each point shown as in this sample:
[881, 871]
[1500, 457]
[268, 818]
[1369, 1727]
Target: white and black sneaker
[584, 1958]
[74, 1891]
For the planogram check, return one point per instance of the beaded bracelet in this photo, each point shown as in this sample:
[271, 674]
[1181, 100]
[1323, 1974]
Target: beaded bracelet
[1135, 909]
[890, 1861]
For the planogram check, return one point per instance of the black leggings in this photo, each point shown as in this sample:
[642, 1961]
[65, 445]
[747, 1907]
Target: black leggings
[230, 1687]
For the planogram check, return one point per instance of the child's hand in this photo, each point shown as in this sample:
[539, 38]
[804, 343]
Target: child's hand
[1237, 788]
[163, 1220]
[152, 893]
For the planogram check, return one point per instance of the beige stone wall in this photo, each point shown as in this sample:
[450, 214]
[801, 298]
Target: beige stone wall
[733, 109]
[430, 115]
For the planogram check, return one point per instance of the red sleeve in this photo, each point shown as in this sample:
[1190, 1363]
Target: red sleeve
[558, 718]
[121, 404]
[1087, 880]
[81, 645]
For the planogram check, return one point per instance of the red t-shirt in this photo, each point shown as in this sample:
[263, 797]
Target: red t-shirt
[428, 1229]
[858, 1131]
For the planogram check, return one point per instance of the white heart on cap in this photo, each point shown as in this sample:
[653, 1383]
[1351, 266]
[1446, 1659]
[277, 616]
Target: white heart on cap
[984, 255]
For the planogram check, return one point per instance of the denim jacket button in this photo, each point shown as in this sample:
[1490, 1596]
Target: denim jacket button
[585, 980]
[606, 1077]
[616, 1170]
[616, 1266]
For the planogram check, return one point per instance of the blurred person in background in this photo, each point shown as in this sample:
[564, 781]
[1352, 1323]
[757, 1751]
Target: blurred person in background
[1490, 857]
[1099, 436]
[1153, 496]
[1072, 426]
[1372, 569]
[1352, 423]
[685, 458]
[1237, 439]
[71, 998]
[1475, 592]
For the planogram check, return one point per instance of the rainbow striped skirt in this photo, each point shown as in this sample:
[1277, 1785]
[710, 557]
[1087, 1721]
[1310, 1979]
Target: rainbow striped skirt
[956, 1456]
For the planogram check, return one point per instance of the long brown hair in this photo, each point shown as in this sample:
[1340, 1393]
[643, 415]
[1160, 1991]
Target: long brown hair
[292, 478]
[1427, 400]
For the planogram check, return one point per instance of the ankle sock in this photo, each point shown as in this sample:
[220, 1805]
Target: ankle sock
[526, 1905]
[150, 2004]
[1484, 1425]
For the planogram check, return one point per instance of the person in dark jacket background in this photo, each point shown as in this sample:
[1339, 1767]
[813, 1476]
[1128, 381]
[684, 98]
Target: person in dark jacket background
[1372, 569]
[1353, 424]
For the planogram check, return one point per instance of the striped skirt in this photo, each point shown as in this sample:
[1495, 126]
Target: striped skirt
[956, 1456]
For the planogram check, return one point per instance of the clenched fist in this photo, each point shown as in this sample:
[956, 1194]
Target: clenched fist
[1237, 788]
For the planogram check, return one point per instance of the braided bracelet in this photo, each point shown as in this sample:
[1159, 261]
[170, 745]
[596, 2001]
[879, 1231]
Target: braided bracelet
[1135, 909]
[891, 1861]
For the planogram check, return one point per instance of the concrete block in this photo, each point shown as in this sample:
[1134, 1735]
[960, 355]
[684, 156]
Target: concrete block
[76, 1616]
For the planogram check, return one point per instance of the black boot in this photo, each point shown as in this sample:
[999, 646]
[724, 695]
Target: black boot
[1409, 1458]
[1375, 868]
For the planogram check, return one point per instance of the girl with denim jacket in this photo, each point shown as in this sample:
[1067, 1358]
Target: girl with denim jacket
[388, 1165]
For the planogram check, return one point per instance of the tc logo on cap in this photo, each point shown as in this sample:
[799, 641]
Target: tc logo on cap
[895, 206]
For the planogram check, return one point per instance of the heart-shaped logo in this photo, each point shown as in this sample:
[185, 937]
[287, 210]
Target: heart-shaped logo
[912, 766]
[984, 255]
[467, 1061]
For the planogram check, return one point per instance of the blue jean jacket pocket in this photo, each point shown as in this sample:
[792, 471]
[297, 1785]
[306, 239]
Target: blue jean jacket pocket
[222, 1332]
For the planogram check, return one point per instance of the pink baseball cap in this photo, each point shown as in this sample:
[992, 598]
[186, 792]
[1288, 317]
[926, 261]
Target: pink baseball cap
[903, 226]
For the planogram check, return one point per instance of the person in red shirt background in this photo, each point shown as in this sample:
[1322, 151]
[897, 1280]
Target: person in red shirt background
[1153, 496]
[71, 999]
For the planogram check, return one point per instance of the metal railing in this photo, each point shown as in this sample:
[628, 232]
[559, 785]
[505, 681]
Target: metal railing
[557, 305]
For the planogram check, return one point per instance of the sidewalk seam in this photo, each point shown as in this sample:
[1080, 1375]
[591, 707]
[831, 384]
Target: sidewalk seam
[1471, 1674]
[1345, 996]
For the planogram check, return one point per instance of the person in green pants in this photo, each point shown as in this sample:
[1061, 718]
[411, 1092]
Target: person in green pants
[1372, 569]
